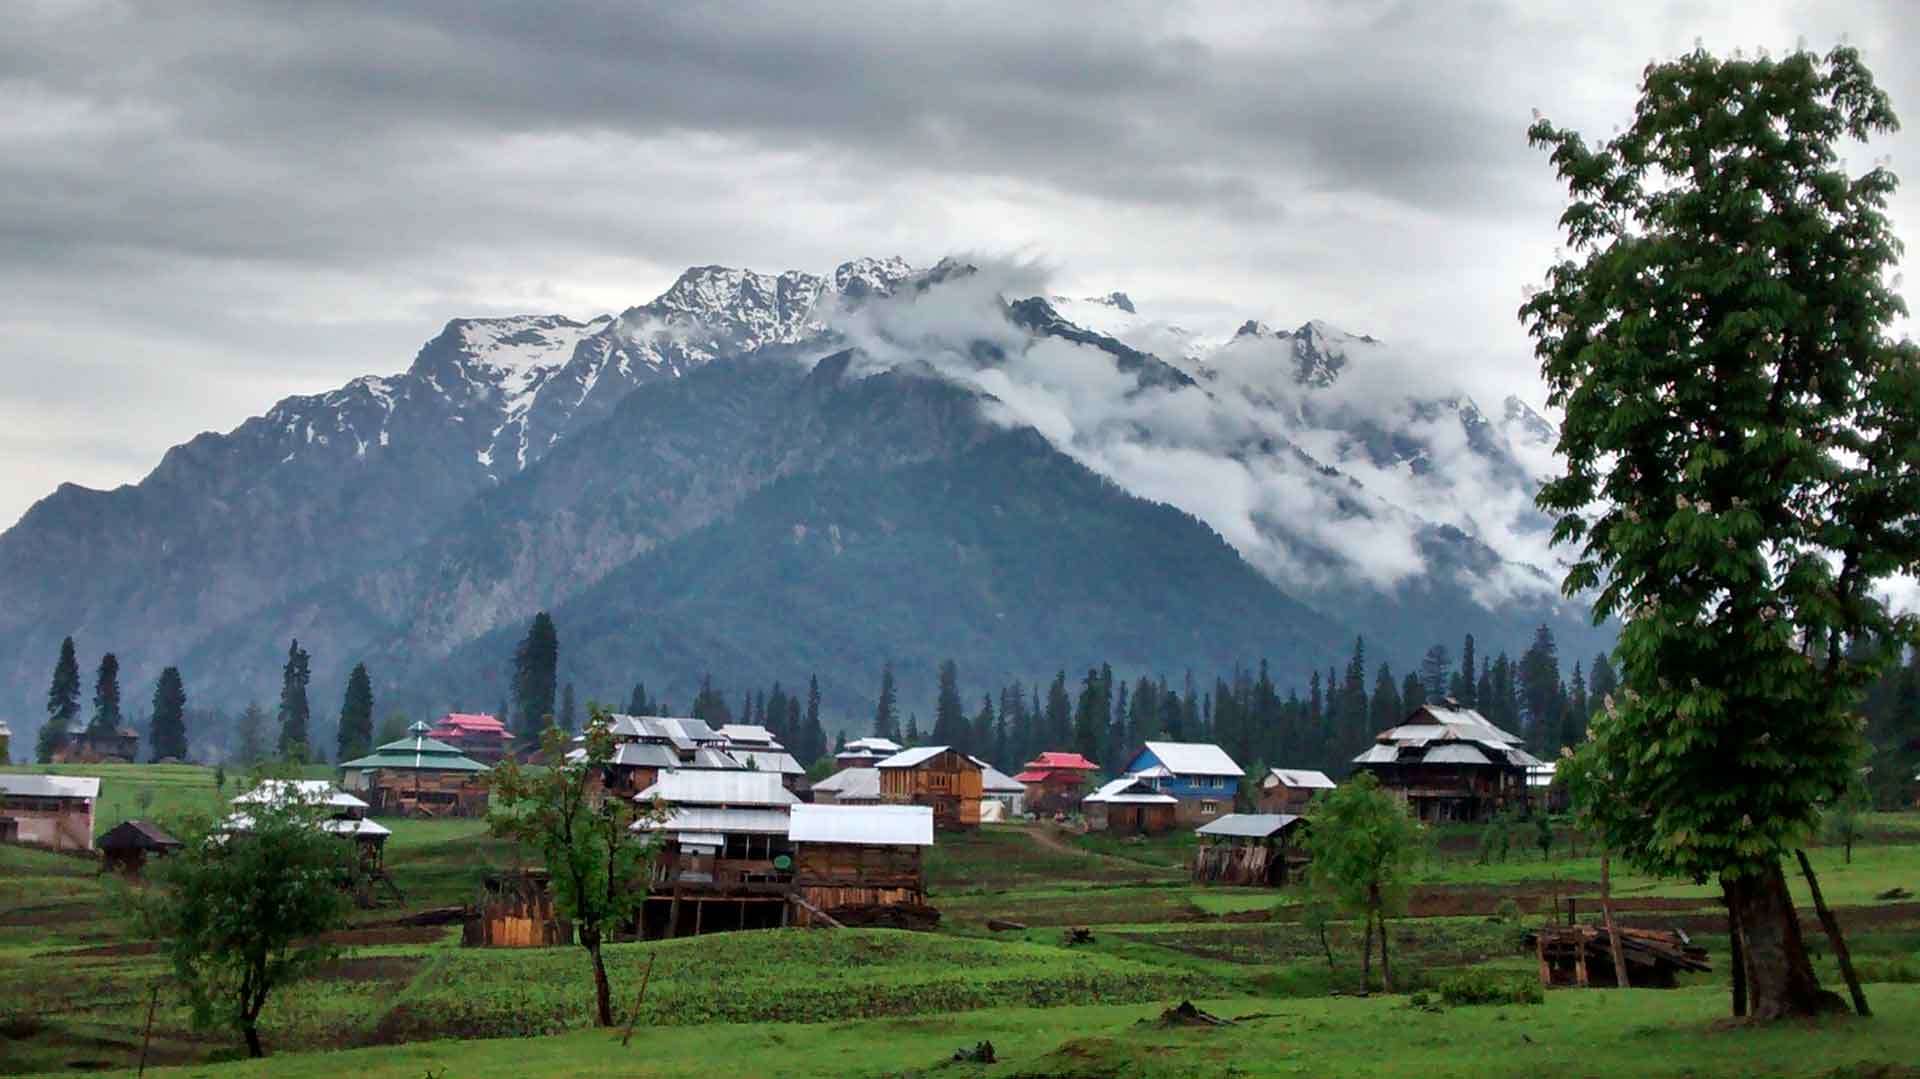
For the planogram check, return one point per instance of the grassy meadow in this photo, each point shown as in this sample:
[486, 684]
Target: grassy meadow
[407, 1000]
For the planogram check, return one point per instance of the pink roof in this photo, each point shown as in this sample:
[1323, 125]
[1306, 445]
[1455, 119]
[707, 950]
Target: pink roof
[1052, 759]
[1031, 776]
[467, 723]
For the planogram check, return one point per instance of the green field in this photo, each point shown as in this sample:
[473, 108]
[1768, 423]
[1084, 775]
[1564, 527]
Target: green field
[409, 1001]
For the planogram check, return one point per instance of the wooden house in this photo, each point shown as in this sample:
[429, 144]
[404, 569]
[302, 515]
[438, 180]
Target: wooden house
[48, 811]
[1056, 782]
[334, 811]
[1199, 776]
[126, 846]
[476, 735]
[850, 859]
[1130, 806]
[866, 752]
[515, 910]
[646, 747]
[940, 777]
[849, 786]
[1002, 797]
[1250, 848]
[120, 745]
[1450, 764]
[725, 861]
[418, 776]
[1291, 790]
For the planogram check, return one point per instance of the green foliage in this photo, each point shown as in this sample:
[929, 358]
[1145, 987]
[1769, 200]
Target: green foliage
[1740, 444]
[239, 914]
[168, 734]
[106, 697]
[63, 702]
[1484, 986]
[295, 712]
[356, 716]
[1363, 845]
[536, 672]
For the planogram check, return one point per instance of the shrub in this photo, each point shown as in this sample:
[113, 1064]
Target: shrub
[1490, 987]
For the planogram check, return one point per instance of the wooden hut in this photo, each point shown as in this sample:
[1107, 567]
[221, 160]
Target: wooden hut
[515, 910]
[418, 776]
[1291, 790]
[939, 777]
[49, 811]
[849, 860]
[1249, 848]
[126, 846]
[1130, 805]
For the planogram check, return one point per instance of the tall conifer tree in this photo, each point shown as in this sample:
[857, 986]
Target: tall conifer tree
[106, 697]
[294, 712]
[356, 716]
[167, 735]
[536, 675]
[63, 702]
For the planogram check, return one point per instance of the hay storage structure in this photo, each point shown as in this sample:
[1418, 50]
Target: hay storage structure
[1260, 849]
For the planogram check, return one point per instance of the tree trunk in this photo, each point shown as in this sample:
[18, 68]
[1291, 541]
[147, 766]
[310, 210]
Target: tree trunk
[1327, 947]
[602, 992]
[1620, 977]
[252, 1033]
[1737, 953]
[1832, 926]
[1386, 965]
[1366, 954]
[1780, 979]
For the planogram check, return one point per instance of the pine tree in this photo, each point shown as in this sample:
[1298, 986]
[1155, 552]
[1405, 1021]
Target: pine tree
[1090, 711]
[639, 704]
[816, 741]
[1353, 700]
[1058, 728]
[1412, 694]
[1437, 675]
[980, 742]
[356, 716]
[536, 674]
[1469, 693]
[250, 746]
[1387, 710]
[294, 714]
[568, 717]
[1539, 688]
[913, 729]
[1602, 683]
[63, 702]
[949, 721]
[1503, 707]
[167, 735]
[839, 742]
[886, 721]
[106, 698]
[1573, 718]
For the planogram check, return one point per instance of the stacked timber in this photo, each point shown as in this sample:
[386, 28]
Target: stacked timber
[1581, 955]
[515, 911]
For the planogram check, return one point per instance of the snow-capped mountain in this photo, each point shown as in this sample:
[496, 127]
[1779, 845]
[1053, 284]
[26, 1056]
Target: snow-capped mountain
[526, 462]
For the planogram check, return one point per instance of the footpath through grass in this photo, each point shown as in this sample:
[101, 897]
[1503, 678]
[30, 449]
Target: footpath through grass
[1635, 1033]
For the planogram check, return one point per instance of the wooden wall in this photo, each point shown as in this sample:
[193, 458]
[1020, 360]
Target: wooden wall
[950, 783]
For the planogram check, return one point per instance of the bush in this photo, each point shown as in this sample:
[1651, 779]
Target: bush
[1491, 987]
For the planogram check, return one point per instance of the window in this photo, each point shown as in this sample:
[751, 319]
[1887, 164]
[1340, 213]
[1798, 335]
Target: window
[1208, 809]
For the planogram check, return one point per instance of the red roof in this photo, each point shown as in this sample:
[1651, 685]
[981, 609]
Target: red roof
[462, 723]
[1031, 776]
[1062, 760]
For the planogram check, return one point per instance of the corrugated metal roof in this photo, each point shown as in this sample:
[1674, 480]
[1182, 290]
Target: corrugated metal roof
[1301, 778]
[914, 758]
[724, 821]
[1129, 790]
[851, 783]
[310, 792]
[242, 822]
[747, 733]
[1249, 825]
[875, 745]
[1524, 759]
[737, 788]
[1455, 753]
[776, 761]
[1468, 724]
[1195, 758]
[1378, 754]
[993, 779]
[42, 786]
[893, 826]
[644, 755]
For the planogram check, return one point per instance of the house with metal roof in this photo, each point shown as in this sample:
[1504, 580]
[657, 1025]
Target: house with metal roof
[48, 811]
[1056, 781]
[1450, 763]
[1130, 805]
[335, 811]
[477, 735]
[647, 746]
[1250, 848]
[1001, 796]
[849, 786]
[724, 861]
[852, 864]
[940, 777]
[1291, 790]
[417, 776]
[866, 752]
[1200, 776]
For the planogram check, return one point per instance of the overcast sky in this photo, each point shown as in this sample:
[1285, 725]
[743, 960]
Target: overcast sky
[204, 208]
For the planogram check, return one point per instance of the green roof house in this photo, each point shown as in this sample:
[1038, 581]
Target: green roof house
[418, 776]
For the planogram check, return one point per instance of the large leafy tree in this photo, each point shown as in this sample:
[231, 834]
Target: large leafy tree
[63, 702]
[240, 914]
[596, 857]
[1363, 843]
[167, 737]
[1741, 443]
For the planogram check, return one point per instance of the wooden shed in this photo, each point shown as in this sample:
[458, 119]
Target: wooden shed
[515, 910]
[1291, 790]
[852, 858]
[939, 777]
[1129, 805]
[1260, 849]
[126, 846]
